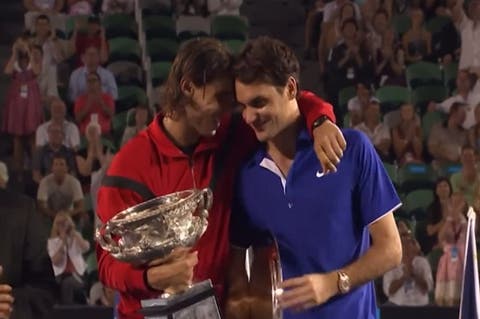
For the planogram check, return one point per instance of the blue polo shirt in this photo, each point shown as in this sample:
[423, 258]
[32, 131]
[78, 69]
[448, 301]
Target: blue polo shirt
[320, 222]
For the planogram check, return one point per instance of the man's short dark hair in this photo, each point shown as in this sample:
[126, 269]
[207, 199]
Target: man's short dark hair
[266, 60]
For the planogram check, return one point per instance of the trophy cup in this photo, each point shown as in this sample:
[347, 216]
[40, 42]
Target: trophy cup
[276, 277]
[152, 230]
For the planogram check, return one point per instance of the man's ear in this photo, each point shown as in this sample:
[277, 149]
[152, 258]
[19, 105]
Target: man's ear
[187, 87]
[292, 88]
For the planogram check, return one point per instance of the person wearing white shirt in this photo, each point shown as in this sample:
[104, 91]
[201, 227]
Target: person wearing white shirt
[66, 247]
[71, 134]
[467, 94]
[409, 283]
[377, 132]
[331, 8]
[469, 29]
[224, 7]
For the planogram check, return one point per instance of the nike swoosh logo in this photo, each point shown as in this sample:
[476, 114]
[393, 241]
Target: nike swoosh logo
[320, 174]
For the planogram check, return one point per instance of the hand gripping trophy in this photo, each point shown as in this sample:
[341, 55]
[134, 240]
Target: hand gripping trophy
[152, 230]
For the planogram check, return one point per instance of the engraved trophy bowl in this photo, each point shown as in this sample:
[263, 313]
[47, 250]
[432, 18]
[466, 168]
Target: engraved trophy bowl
[276, 277]
[153, 229]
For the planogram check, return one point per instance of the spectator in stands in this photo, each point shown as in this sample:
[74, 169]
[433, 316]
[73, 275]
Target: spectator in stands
[23, 111]
[191, 7]
[92, 157]
[450, 266]
[140, 123]
[78, 79]
[94, 106]
[47, 78]
[468, 93]
[45, 37]
[467, 27]
[446, 139]
[389, 61]
[60, 191]
[71, 136]
[90, 35]
[466, 181]
[417, 41]
[118, 6]
[65, 247]
[377, 132]
[437, 213]
[313, 28]
[357, 104]
[474, 132]
[332, 33]
[80, 7]
[332, 8]
[25, 271]
[44, 155]
[407, 137]
[220, 7]
[52, 8]
[370, 7]
[380, 24]
[101, 295]
[409, 283]
[349, 61]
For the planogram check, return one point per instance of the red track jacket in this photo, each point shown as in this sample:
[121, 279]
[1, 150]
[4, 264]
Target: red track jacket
[153, 160]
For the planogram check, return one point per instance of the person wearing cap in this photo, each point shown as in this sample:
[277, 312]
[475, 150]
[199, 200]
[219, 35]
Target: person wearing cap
[28, 288]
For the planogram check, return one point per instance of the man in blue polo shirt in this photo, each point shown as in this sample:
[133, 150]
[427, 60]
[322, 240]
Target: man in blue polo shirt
[321, 222]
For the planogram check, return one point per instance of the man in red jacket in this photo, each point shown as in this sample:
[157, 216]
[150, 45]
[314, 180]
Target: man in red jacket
[197, 143]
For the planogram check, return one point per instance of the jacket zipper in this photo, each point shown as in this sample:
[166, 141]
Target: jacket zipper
[192, 170]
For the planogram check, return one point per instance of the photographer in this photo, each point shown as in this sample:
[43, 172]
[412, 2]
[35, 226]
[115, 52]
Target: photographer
[23, 111]
[66, 247]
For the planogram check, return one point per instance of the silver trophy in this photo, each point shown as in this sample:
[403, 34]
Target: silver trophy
[152, 230]
[276, 277]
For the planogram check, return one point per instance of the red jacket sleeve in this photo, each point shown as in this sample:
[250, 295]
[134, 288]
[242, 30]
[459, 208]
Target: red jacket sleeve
[112, 272]
[312, 107]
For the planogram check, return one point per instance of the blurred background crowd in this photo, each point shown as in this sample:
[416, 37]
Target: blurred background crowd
[85, 76]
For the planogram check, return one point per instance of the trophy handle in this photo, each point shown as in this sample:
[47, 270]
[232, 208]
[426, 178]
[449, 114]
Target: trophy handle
[207, 200]
[103, 234]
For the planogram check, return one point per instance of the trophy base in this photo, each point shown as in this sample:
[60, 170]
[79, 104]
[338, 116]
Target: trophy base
[198, 302]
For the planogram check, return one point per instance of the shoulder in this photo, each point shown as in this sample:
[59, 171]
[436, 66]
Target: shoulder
[76, 73]
[355, 137]
[105, 72]
[126, 165]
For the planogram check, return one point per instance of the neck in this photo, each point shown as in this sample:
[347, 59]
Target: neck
[58, 120]
[371, 124]
[59, 179]
[452, 124]
[469, 171]
[91, 68]
[284, 144]
[463, 94]
[443, 201]
[180, 131]
[55, 147]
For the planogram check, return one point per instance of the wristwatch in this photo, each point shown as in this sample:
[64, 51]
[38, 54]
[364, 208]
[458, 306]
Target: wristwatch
[319, 121]
[343, 282]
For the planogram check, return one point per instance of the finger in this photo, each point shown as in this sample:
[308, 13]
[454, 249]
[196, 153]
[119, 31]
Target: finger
[5, 289]
[341, 140]
[5, 308]
[327, 165]
[328, 149]
[6, 298]
[292, 294]
[305, 306]
[298, 301]
[337, 148]
[293, 282]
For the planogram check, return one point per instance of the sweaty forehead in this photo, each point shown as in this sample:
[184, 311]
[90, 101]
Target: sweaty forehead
[246, 93]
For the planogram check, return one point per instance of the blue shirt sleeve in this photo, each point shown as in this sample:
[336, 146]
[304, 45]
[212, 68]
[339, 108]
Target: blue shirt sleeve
[243, 231]
[375, 194]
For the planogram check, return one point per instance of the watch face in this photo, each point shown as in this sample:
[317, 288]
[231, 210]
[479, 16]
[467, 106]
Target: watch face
[344, 283]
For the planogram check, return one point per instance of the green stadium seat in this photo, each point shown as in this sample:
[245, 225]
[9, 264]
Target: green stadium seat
[423, 95]
[126, 73]
[392, 97]
[126, 49]
[119, 25]
[229, 27]
[436, 24]
[129, 96]
[420, 198]
[414, 176]
[344, 95]
[160, 72]
[162, 49]
[401, 24]
[450, 76]
[234, 45]
[159, 27]
[422, 74]
[391, 171]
